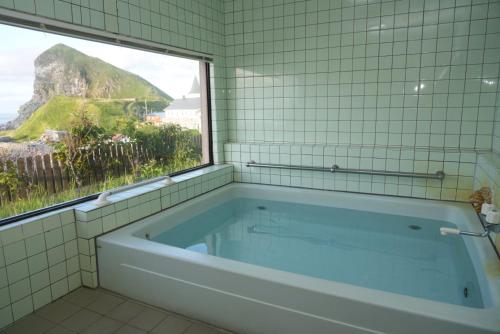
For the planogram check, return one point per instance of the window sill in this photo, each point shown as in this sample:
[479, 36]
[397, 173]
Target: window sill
[120, 199]
[154, 197]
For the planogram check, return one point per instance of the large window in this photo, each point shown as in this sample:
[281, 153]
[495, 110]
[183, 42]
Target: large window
[78, 117]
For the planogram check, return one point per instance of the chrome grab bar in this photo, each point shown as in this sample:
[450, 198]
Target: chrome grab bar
[439, 175]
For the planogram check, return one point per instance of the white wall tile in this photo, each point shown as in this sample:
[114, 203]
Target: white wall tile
[14, 252]
[17, 271]
[5, 316]
[19, 290]
[35, 244]
[40, 280]
[4, 297]
[37, 263]
[41, 298]
[22, 307]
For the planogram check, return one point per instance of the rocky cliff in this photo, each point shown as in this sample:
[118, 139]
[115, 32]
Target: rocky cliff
[64, 71]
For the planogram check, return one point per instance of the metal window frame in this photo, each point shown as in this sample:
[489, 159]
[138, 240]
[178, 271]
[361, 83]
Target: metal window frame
[32, 22]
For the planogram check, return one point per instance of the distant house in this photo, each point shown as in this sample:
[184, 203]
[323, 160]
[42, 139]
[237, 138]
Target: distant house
[119, 138]
[186, 111]
[156, 118]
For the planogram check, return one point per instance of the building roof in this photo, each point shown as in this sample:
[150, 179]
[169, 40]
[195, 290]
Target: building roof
[190, 102]
[157, 113]
[184, 104]
[195, 88]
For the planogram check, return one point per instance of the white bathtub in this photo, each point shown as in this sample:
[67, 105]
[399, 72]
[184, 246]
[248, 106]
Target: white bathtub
[253, 299]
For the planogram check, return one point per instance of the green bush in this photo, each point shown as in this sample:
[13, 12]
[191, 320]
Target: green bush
[9, 182]
[168, 149]
[170, 146]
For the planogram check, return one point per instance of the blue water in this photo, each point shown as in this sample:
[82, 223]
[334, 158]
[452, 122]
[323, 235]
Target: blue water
[4, 118]
[372, 250]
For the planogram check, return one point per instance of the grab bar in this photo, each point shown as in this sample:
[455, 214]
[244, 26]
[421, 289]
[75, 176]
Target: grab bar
[439, 175]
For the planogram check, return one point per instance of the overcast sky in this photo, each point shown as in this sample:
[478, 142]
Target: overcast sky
[20, 47]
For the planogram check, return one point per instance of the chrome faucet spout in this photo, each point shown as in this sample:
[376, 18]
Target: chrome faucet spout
[447, 231]
[492, 227]
[488, 228]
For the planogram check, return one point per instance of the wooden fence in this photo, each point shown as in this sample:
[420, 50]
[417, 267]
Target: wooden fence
[48, 174]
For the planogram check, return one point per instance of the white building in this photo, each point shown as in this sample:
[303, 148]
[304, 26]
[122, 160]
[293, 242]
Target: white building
[186, 111]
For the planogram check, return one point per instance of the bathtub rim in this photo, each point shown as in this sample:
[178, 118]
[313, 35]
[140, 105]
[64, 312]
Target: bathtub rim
[128, 237]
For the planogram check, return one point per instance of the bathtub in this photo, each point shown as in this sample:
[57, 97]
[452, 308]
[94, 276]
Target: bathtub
[249, 298]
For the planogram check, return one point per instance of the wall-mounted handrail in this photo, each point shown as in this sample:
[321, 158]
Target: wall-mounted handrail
[439, 175]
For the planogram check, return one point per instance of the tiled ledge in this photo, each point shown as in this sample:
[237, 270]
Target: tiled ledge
[44, 257]
[135, 204]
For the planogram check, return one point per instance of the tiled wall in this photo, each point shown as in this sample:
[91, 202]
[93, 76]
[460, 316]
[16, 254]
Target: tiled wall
[412, 73]
[351, 75]
[195, 25]
[38, 263]
[496, 130]
[458, 164]
[43, 258]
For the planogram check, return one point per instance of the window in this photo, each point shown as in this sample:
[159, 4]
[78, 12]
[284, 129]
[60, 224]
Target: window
[78, 117]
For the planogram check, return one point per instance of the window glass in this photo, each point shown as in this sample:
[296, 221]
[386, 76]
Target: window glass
[78, 117]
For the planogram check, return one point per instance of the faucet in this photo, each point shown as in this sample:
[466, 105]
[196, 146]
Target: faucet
[103, 199]
[488, 228]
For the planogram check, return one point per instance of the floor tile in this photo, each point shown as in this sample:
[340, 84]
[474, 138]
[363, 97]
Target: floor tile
[172, 325]
[59, 330]
[81, 320]
[201, 329]
[127, 329]
[126, 311]
[105, 303]
[101, 311]
[103, 326]
[82, 296]
[58, 310]
[31, 324]
[147, 319]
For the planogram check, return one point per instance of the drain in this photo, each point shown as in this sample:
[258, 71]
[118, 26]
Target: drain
[466, 292]
[261, 207]
[414, 227]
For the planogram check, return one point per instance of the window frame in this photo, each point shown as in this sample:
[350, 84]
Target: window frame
[64, 29]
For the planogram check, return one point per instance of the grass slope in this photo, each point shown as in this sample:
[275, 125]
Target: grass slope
[57, 113]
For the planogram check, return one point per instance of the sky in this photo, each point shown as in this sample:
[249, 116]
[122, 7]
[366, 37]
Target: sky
[20, 47]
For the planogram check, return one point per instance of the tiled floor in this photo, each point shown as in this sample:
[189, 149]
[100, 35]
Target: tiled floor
[101, 312]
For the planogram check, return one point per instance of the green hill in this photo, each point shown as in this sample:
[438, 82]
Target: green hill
[58, 113]
[67, 80]
[102, 80]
